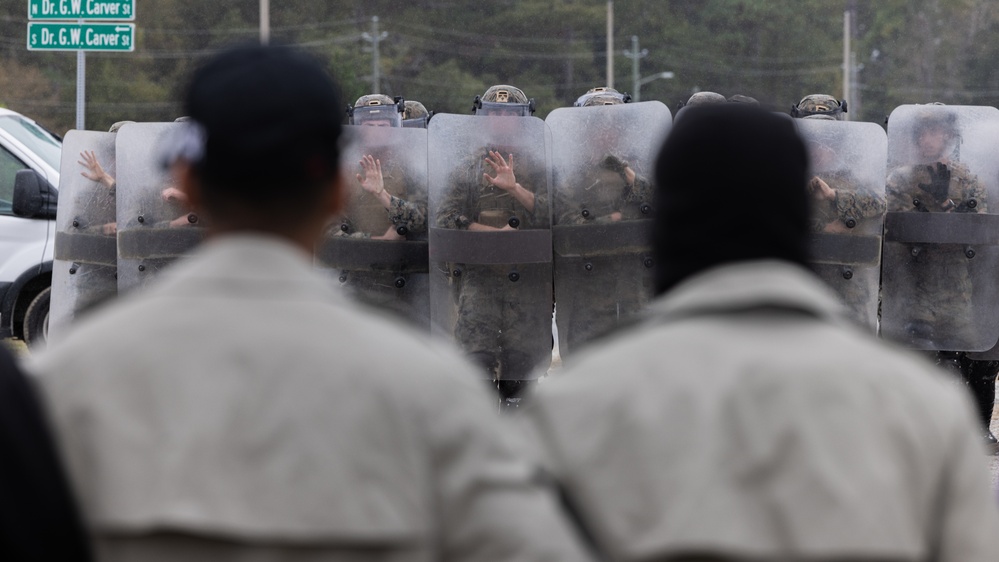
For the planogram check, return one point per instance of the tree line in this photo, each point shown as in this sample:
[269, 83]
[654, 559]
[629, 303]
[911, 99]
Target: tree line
[444, 52]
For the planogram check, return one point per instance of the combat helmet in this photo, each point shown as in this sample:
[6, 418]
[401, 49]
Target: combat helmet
[601, 96]
[819, 104]
[377, 109]
[503, 99]
[740, 98]
[119, 124]
[415, 115]
[704, 98]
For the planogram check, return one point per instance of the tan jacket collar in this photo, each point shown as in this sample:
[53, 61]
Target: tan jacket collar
[751, 285]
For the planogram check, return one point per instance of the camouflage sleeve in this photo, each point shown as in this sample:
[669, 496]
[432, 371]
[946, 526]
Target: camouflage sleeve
[858, 205]
[451, 213]
[541, 216]
[640, 192]
[564, 211]
[409, 214]
[898, 188]
[537, 183]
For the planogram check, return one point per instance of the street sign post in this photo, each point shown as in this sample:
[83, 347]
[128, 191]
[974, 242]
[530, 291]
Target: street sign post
[120, 10]
[68, 36]
[45, 34]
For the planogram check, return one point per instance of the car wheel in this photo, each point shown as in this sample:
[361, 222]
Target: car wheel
[36, 320]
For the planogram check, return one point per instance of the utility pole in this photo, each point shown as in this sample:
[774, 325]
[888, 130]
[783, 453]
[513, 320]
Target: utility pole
[81, 88]
[855, 93]
[635, 55]
[610, 43]
[847, 62]
[265, 22]
[375, 38]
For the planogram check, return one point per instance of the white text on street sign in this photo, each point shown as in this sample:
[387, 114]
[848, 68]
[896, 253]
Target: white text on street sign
[66, 36]
[81, 9]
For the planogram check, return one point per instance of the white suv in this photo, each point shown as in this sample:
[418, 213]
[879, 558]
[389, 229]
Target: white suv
[26, 240]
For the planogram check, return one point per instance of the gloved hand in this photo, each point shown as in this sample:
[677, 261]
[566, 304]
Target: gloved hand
[939, 182]
[614, 164]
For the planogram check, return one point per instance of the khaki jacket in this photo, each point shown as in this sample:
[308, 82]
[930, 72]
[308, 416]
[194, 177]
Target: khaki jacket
[743, 419]
[241, 409]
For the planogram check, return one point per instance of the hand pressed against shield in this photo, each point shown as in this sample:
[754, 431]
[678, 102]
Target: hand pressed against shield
[94, 171]
[506, 179]
[371, 180]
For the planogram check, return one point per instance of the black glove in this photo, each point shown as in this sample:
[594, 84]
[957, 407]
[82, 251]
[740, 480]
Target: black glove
[939, 182]
[614, 164]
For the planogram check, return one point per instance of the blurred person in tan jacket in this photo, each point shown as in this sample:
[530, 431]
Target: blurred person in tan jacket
[241, 409]
[749, 419]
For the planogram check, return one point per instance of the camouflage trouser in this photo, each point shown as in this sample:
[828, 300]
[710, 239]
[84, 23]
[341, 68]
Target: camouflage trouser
[593, 295]
[405, 294]
[934, 297]
[504, 325]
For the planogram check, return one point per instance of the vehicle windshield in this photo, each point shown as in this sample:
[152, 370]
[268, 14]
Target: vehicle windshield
[35, 138]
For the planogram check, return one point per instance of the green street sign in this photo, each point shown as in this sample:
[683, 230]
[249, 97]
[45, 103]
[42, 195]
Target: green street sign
[66, 36]
[81, 9]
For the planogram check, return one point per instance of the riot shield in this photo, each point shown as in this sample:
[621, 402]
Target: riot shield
[848, 207]
[490, 246]
[85, 252]
[602, 167]
[155, 225]
[378, 248]
[941, 240]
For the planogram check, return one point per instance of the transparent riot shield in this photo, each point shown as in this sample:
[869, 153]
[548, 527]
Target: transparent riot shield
[490, 246]
[941, 241]
[848, 207]
[378, 248]
[155, 225]
[602, 168]
[85, 259]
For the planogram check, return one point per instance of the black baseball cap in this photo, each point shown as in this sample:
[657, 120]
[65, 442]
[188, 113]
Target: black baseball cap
[265, 114]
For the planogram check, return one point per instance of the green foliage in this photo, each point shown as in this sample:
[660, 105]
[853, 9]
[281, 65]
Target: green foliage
[444, 52]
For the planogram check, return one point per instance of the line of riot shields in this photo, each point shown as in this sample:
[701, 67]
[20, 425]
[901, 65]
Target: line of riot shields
[117, 234]
[481, 227]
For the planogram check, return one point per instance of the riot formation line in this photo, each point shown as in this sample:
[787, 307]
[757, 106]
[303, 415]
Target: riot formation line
[477, 227]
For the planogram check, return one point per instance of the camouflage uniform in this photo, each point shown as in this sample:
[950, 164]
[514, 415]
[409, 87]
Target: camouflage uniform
[366, 217]
[605, 190]
[498, 306]
[851, 206]
[407, 208]
[601, 189]
[382, 276]
[941, 301]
